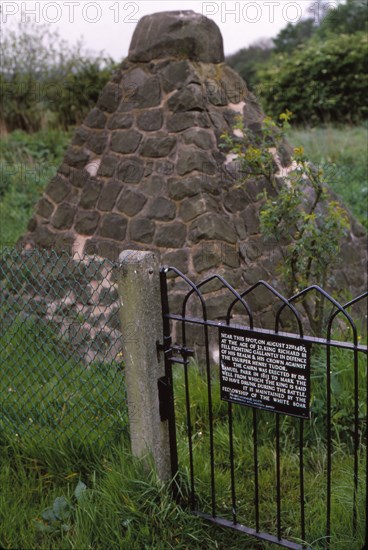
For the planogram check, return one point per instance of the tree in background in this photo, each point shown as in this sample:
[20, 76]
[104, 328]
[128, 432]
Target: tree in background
[325, 81]
[294, 35]
[316, 67]
[347, 18]
[247, 60]
[44, 81]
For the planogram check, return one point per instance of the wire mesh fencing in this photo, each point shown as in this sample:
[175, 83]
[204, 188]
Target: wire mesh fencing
[61, 359]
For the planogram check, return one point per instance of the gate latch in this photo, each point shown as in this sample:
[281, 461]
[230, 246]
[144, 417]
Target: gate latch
[163, 397]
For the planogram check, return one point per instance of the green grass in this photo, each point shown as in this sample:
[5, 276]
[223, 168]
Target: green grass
[46, 394]
[126, 506]
[27, 163]
[342, 153]
[314, 457]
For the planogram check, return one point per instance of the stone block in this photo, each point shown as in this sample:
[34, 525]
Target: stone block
[78, 177]
[113, 226]
[176, 258]
[212, 227]
[251, 219]
[152, 186]
[86, 222]
[125, 141]
[254, 274]
[109, 194]
[181, 121]
[142, 230]
[198, 137]
[179, 188]
[189, 98]
[32, 224]
[90, 193]
[151, 120]
[108, 166]
[96, 119]
[64, 216]
[161, 209]
[97, 142]
[192, 207]
[120, 121]
[44, 208]
[110, 98]
[233, 85]
[104, 248]
[235, 199]
[58, 189]
[81, 136]
[149, 94]
[157, 146]
[131, 170]
[178, 74]
[252, 249]
[164, 167]
[178, 34]
[190, 159]
[171, 235]
[76, 156]
[131, 202]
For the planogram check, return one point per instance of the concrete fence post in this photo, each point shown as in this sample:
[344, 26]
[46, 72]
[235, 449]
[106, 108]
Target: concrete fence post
[141, 324]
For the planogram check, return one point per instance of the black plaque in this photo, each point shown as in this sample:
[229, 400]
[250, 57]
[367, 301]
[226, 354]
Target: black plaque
[265, 371]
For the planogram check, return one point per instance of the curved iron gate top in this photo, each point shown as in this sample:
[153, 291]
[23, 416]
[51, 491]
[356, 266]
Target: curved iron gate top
[235, 379]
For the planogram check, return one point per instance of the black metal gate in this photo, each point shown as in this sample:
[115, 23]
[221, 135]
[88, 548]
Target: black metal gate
[269, 472]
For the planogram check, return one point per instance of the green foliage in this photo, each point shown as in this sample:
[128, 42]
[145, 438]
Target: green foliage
[46, 83]
[297, 213]
[27, 163]
[247, 61]
[294, 35]
[59, 517]
[347, 18]
[127, 507]
[342, 153]
[324, 81]
[47, 394]
[316, 66]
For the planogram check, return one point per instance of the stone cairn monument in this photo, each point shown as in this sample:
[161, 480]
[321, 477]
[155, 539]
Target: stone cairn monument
[145, 170]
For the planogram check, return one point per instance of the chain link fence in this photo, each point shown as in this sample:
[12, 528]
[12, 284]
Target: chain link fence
[62, 374]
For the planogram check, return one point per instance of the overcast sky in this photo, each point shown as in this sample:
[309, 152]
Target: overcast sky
[109, 24]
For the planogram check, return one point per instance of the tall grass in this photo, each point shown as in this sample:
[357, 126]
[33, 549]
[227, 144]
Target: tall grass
[315, 456]
[27, 163]
[342, 153]
[126, 506]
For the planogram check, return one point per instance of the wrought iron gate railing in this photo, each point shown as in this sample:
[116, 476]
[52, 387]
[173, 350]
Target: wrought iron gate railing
[232, 511]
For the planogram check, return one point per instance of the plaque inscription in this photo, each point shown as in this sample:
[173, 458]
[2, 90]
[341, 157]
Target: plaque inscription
[265, 371]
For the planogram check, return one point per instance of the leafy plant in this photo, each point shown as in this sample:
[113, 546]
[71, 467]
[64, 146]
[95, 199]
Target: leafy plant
[58, 517]
[46, 83]
[324, 81]
[296, 210]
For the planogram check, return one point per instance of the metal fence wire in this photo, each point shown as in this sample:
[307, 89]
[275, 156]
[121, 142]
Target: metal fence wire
[60, 349]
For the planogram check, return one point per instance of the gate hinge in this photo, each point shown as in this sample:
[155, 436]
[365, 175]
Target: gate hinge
[163, 397]
[169, 350]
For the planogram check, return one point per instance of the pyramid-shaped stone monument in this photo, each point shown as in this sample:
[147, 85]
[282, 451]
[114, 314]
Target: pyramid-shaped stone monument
[145, 169]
